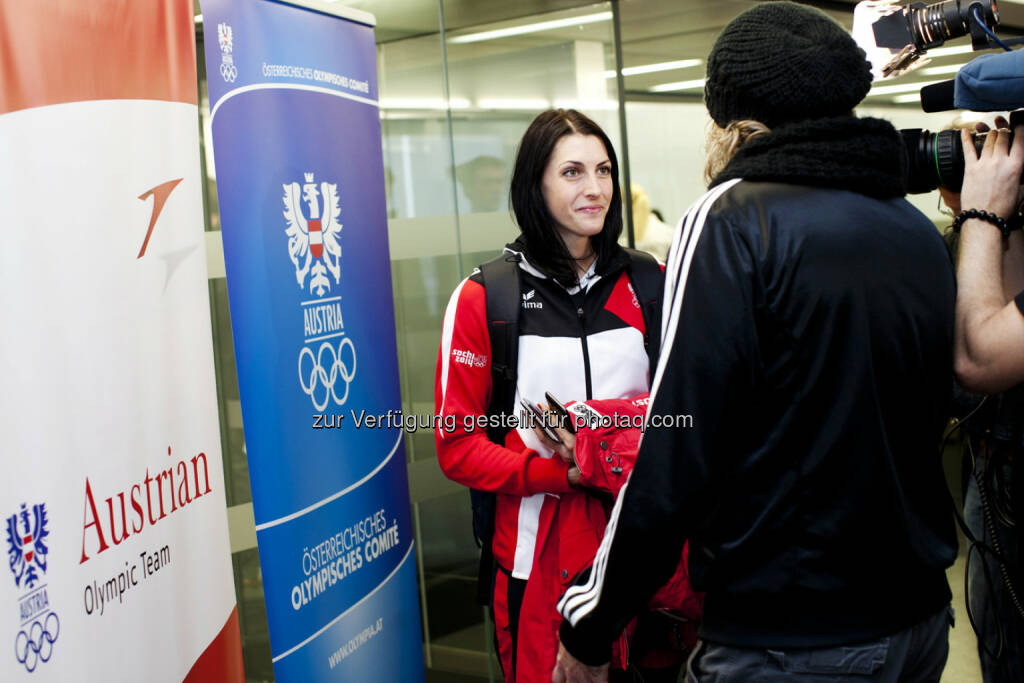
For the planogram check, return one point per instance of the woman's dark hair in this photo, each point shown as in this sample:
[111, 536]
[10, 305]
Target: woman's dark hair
[547, 249]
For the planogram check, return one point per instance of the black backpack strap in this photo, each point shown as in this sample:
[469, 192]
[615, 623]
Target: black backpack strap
[501, 289]
[649, 285]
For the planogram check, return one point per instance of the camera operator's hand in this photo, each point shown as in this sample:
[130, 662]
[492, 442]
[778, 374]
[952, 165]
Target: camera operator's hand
[992, 181]
[989, 342]
[952, 199]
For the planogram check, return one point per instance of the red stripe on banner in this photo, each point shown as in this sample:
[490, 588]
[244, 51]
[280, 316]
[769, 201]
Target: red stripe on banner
[70, 51]
[222, 660]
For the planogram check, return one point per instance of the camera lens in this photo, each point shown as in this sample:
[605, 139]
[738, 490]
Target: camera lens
[933, 25]
[934, 159]
[929, 26]
[937, 159]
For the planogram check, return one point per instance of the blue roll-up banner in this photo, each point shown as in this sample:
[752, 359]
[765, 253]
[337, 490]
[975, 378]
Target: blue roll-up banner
[300, 182]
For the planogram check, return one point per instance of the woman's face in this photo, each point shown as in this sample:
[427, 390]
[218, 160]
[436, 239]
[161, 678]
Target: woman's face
[577, 186]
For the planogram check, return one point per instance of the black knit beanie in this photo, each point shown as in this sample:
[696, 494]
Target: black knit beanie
[780, 62]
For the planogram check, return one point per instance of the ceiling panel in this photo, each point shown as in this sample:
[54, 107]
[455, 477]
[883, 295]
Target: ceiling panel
[653, 31]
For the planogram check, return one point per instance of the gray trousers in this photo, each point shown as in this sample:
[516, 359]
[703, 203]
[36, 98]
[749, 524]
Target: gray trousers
[913, 655]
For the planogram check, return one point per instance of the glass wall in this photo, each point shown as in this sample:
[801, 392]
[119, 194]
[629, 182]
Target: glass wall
[453, 107]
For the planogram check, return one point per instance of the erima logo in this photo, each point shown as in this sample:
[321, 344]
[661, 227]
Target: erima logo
[527, 303]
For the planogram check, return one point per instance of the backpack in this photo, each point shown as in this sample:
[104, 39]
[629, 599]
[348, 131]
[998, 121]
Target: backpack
[502, 291]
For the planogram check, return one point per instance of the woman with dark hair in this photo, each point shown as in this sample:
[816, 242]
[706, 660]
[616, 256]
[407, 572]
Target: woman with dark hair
[581, 334]
[566, 239]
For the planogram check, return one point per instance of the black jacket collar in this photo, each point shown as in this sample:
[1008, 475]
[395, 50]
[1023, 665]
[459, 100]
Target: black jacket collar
[617, 260]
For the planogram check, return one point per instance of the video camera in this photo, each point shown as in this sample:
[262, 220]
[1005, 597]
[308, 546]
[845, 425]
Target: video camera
[937, 159]
[914, 29]
[907, 33]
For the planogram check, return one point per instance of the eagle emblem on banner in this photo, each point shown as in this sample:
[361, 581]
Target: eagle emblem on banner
[225, 38]
[314, 235]
[26, 544]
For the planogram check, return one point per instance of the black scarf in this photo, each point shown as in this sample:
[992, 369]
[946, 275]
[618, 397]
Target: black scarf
[860, 155]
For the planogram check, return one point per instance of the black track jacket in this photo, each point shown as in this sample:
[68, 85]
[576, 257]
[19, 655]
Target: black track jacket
[809, 334]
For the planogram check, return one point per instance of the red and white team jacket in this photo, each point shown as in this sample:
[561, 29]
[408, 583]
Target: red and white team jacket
[578, 344]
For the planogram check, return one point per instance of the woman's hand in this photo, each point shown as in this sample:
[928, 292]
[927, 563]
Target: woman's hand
[565, 450]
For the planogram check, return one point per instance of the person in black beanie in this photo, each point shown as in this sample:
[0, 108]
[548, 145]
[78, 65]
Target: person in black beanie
[808, 332]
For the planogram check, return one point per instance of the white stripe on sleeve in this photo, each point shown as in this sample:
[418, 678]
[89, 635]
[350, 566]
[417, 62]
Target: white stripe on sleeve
[693, 226]
[578, 601]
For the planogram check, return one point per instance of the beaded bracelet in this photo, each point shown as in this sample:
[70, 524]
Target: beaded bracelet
[980, 214]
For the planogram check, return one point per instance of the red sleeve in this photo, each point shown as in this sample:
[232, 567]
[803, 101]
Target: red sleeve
[605, 458]
[606, 454]
[462, 392]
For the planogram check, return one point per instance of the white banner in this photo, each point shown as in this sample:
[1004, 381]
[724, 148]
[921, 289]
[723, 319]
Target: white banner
[112, 506]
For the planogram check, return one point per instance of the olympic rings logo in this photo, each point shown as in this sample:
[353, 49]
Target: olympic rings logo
[229, 72]
[325, 369]
[36, 644]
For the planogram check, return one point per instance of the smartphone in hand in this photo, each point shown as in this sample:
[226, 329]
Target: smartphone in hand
[565, 420]
[539, 419]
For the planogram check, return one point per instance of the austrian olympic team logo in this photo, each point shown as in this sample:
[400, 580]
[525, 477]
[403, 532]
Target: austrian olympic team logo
[27, 552]
[225, 39]
[327, 361]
